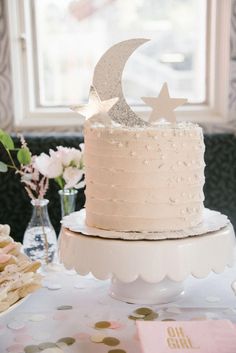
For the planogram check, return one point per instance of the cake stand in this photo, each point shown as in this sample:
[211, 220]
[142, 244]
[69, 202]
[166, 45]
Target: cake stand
[147, 271]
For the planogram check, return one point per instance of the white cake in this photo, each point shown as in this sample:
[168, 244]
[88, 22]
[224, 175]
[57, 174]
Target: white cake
[144, 178]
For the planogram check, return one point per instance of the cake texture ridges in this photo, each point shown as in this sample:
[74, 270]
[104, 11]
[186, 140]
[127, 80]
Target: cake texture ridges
[144, 178]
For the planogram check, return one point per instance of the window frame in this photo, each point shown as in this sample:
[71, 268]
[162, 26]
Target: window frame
[28, 116]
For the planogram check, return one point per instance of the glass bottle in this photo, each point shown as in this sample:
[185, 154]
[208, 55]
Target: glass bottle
[40, 241]
[68, 201]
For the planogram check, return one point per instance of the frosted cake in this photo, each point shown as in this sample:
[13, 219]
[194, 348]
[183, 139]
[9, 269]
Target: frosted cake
[144, 179]
[141, 175]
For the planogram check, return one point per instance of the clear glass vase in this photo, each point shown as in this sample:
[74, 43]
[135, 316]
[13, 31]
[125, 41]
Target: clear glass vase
[68, 201]
[40, 241]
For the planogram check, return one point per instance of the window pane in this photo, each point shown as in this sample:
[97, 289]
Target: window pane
[72, 35]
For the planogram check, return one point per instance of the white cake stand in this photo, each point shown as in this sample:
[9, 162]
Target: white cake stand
[147, 271]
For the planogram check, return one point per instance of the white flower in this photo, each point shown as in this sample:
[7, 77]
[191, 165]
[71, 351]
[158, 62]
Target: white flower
[80, 185]
[65, 164]
[50, 166]
[72, 176]
[69, 156]
[65, 155]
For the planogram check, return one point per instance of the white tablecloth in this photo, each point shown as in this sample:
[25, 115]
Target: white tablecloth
[210, 298]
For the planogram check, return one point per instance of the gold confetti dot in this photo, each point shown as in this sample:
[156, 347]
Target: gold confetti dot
[61, 345]
[151, 317]
[64, 307]
[45, 345]
[53, 350]
[168, 320]
[102, 324]
[139, 316]
[117, 351]
[68, 340]
[32, 349]
[143, 311]
[111, 341]
[199, 318]
[97, 338]
[37, 317]
[131, 317]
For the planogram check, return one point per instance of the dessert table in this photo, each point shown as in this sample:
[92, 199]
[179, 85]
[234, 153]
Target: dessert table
[69, 306]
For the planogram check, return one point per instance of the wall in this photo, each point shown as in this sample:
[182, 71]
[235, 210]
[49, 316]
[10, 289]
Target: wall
[6, 112]
[232, 95]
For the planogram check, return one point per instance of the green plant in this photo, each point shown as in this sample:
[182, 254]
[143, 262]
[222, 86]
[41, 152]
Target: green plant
[35, 183]
[23, 154]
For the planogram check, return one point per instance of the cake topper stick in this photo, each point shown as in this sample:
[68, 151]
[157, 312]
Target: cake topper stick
[95, 106]
[163, 106]
[108, 80]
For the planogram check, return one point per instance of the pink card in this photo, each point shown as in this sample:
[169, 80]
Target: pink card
[210, 336]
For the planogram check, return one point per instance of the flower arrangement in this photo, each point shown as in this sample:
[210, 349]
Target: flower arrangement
[65, 166]
[34, 182]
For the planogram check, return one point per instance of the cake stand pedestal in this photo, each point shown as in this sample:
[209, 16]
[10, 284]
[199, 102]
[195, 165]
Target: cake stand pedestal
[147, 271]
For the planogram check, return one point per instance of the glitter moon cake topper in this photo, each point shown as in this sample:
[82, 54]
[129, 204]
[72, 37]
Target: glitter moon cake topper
[163, 106]
[107, 80]
[106, 99]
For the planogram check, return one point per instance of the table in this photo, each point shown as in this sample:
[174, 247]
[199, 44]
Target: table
[38, 320]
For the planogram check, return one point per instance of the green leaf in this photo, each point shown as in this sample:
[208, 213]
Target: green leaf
[24, 156]
[6, 140]
[3, 167]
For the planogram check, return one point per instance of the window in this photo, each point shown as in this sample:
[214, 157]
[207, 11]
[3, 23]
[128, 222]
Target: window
[72, 35]
[60, 41]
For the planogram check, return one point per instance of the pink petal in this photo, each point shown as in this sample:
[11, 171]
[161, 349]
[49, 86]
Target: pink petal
[23, 339]
[82, 336]
[15, 348]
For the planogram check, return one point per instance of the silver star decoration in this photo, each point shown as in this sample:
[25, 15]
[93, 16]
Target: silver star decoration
[163, 106]
[95, 107]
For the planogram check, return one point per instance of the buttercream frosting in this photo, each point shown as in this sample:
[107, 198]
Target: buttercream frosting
[144, 178]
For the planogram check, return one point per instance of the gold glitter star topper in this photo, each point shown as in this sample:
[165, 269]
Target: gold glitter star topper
[95, 106]
[163, 106]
